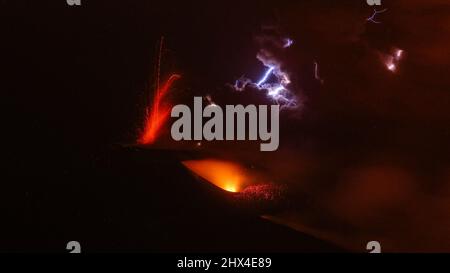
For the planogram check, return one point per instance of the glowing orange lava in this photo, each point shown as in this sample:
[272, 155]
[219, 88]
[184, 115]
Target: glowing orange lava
[158, 114]
[225, 175]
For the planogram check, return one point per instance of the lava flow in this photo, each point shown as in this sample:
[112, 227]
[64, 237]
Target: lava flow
[158, 114]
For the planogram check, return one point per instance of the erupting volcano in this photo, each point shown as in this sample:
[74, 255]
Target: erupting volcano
[225, 175]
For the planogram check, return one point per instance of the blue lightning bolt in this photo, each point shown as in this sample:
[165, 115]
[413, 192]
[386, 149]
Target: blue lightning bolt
[288, 43]
[375, 13]
[264, 79]
[277, 91]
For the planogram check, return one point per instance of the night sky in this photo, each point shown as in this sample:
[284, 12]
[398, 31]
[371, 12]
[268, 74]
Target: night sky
[368, 147]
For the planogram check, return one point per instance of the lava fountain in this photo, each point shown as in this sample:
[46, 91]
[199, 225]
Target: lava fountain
[158, 114]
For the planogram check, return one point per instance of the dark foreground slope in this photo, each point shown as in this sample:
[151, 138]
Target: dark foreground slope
[131, 199]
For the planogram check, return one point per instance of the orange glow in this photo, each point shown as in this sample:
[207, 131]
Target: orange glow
[158, 114]
[225, 175]
[231, 187]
